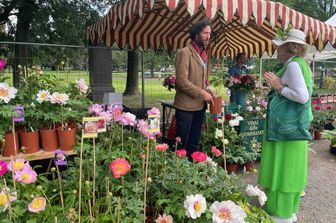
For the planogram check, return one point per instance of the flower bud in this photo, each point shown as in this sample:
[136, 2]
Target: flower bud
[110, 194]
[53, 169]
[39, 187]
[142, 156]
[149, 179]
[74, 191]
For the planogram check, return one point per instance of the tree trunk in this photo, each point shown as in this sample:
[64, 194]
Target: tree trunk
[132, 84]
[152, 68]
[22, 35]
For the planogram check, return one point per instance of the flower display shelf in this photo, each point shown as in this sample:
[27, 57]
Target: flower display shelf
[40, 155]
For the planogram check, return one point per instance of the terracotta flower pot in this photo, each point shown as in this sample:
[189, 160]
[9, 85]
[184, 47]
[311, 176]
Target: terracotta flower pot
[49, 139]
[216, 107]
[231, 167]
[31, 141]
[66, 138]
[249, 166]
[8, 147]
[317, 135]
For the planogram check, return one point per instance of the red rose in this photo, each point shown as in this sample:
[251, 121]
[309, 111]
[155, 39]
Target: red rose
[228, 116]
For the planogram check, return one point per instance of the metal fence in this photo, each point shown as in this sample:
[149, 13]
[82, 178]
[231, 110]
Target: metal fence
[70, 62]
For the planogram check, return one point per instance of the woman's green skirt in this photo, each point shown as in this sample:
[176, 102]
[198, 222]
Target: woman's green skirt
[283, 174]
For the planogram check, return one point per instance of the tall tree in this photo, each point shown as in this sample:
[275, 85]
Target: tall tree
[318, 9]
[47, 21]
[132, 83]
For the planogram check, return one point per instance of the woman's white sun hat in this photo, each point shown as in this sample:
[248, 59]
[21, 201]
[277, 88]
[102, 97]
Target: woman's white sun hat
[293, 36]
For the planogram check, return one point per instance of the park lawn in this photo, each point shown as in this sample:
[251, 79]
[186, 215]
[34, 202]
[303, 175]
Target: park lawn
[154, 91]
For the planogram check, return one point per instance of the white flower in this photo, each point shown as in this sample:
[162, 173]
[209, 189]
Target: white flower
[251, 190]
[227, 212]
[228, 92]
[4, 198]
[43, 95]
[32, 104]
[59, 98]
[248, 102]
[255, 191]
[234, 122]
[249, 108]
[262, 198]
[253, 96]
[81, 85]
[239, 118]
[195, 205]
[7, 93]
[264, 115]
[211, 163]
[220, 120]
[257, 108]
[235, 115]
[225, 141]
[218, 133]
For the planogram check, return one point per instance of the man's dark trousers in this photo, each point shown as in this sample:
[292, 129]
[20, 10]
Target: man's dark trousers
[188, 128]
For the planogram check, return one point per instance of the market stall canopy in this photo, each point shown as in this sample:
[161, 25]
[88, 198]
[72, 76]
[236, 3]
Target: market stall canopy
[238, 25]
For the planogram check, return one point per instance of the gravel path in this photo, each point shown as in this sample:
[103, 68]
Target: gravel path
[319, 204]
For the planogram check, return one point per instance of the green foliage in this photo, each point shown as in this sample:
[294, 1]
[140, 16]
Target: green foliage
[6, 114]
[331, 135]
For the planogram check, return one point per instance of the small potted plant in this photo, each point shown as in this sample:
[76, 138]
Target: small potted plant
[318, 123]
[234, 158]
[331, 135]
[249, 158]
[6, 113]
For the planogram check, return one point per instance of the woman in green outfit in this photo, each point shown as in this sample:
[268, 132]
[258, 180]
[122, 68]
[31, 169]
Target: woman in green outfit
[283, 166]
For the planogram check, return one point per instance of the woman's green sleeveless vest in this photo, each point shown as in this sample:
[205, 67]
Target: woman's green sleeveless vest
[288, 120]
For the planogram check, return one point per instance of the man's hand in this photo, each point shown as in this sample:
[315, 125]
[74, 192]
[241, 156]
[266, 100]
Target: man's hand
[207, 96]
[210, 91]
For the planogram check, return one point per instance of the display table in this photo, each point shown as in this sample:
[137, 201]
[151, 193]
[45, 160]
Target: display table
[40, 155]
[167, 107]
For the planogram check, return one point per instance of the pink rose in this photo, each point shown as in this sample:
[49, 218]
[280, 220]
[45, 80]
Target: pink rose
[199, 156]
[216, 151]
[181, 153]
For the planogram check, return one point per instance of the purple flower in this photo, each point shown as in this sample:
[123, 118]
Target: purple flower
[143, 128]
[27, 175]
[2, 64]
[95, 109]
[153, 111]
[18, 113]
[116, 111]
[60, 158]
[128, 119]
[107, 115]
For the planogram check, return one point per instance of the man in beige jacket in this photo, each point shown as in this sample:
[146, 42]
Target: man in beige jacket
[191, 87]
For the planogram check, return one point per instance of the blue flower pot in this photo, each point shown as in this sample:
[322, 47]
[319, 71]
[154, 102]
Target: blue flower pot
[241, 97]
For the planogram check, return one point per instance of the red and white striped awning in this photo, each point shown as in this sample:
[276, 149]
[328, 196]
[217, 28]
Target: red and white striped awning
[240, 25]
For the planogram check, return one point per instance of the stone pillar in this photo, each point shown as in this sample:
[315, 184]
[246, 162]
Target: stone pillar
[100, 68]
